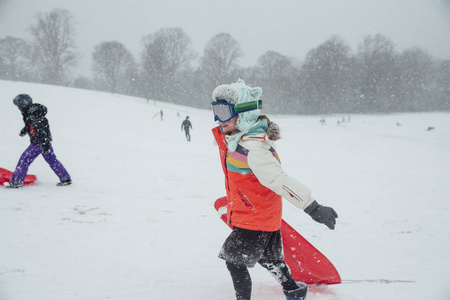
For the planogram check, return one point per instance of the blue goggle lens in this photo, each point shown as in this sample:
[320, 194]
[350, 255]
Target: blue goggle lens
[223, 111]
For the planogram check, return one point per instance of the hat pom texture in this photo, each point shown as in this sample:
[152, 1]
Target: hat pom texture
[237, 93]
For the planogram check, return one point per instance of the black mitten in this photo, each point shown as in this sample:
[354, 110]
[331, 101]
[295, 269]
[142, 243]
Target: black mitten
[322, 214]
[23, 132]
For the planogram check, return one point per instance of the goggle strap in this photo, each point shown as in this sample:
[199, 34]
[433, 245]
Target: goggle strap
[238, 108]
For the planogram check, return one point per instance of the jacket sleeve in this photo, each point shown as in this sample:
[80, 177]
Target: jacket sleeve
[269, 172]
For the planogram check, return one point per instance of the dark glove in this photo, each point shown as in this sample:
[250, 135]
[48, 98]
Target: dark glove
[322, 214]
[45, 148]
[23, 132]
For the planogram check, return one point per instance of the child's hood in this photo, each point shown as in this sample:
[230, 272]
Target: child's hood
[273, 130]
[262, 130]
[265, 127]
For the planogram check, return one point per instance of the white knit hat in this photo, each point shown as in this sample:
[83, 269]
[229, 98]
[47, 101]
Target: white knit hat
[237, 93]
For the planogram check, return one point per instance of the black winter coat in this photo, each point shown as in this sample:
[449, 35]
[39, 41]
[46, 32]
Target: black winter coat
[186, 124]
[36, 125]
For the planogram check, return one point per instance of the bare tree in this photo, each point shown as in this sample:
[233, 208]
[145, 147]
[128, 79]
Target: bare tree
[218, 65]
[416, 78]
[113, 64]
[274, 65]
[378, 73]
[220, 57]
[442, 86]
[53, 40]
[274, 74]
[14, 58]
[166, 52]
[325, 76]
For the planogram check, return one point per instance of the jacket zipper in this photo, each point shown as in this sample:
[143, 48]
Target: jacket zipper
[247, 201]
[293, 194]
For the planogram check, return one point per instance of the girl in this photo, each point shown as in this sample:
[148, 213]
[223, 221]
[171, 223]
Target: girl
[255, 183]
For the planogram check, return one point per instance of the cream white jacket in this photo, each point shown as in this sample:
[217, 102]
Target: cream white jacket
[269, 171]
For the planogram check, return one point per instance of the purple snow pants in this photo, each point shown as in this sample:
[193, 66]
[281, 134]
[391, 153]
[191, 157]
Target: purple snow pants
[29, 155]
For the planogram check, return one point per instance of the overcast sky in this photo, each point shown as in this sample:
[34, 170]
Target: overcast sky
[290, 27]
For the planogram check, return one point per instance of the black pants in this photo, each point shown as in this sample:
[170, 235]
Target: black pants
[249, 247]
[188, 135]
[243, 283]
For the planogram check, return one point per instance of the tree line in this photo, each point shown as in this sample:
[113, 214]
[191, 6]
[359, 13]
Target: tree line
[332, 78]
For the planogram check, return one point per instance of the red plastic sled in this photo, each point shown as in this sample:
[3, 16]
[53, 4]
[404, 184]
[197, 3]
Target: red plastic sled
[5, 176]
[307, 264]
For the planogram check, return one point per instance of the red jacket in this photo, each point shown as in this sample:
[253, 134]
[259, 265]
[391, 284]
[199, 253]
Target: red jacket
[251, 205]
[255, 181]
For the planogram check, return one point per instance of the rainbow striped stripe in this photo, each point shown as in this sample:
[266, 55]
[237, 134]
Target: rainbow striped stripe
[237, 160]
[275, 154]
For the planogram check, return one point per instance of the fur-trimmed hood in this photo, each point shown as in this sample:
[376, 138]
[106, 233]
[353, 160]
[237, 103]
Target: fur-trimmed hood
[273, 130]
[263, 129]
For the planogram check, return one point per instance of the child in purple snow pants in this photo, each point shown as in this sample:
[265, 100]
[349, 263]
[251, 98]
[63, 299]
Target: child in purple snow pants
[38, 129]
[29, 155]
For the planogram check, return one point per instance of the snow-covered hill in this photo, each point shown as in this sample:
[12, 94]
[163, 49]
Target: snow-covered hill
[139, 223]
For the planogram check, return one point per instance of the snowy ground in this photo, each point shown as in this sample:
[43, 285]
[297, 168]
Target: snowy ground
[139, 223]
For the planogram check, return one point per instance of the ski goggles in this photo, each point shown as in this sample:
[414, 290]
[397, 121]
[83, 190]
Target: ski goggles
[224, 111]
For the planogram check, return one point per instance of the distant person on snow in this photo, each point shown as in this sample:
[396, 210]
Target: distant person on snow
[322, 121]
[37, 127]
[255, 184]
[186, 125]
[161, 113]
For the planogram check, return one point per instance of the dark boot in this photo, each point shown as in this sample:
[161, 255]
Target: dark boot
[65, 182]
[297, 294]
[11, 185]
